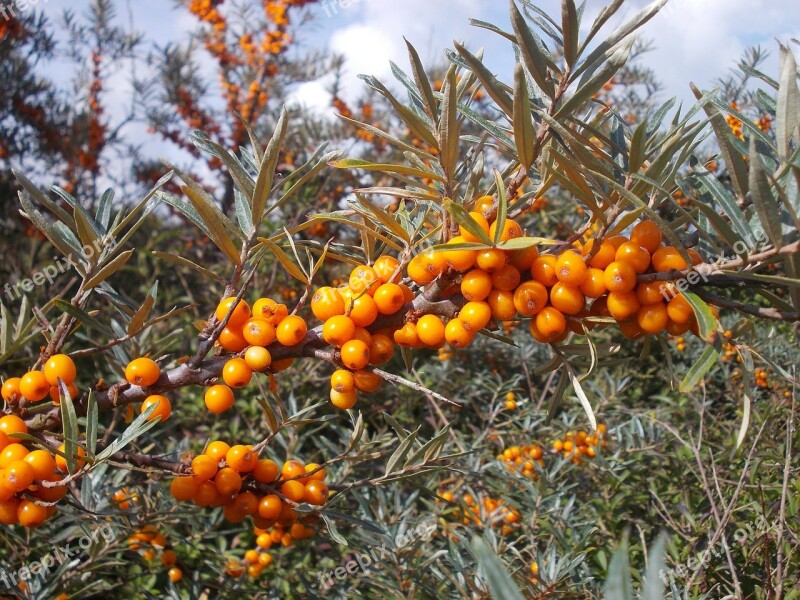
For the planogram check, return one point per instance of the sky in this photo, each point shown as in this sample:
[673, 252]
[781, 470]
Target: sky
[694, 40]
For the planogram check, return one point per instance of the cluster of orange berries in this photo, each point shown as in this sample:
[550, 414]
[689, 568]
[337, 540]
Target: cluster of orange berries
[223, 476]
[257, 559]
[486, 511]
[523, 459]
[24, 499]
[576, 445]
[147, 541]
[35, 386]
[145, 372]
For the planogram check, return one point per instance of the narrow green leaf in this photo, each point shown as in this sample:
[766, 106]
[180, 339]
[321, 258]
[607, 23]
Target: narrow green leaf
[463, 218]
[213, 219]
[266, 172]
[706, 321]
[653, 586]
[109, 269]
[584, 400]
[92, 420]
[501, 584]
[385, 219]
[185, 262]
[699, 369]
[40, 197]
[353, 163]
[569, 27]
[787, 113]
[139, 317]
[138, 427]
[531, 53]
[765, 204]
[449, 132]
[524, 134]
[423, 84]
[70, 422]
[399, 455]
[493, 87]
[284, 259]
[502, 206]
[618, 582]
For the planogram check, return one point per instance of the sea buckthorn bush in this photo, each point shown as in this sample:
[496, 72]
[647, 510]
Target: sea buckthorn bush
[546, 321]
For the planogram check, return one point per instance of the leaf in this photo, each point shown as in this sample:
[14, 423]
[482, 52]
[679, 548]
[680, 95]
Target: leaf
[531, 53]
[84, 317]
[266, 172]
[92, 420]
[787, 113]
[493, 87]
[109, 269]
[402, 450]
[463, 218]
[636, 154]
[524, 135]
[584, 400]
[699, 369]
[139, 426]
[214, 221]
[70, 422]
[385, 136]
[653, 586]
[449, 132]
[706, 321]
[42, 198]
[43, 225]
[745, 419]
[521, 243]
[138, 319]
[284, 259]
[569, 27]
[243, 181]
[421, 79]
[618, 582]
[608, 11]
[354, 163]
[765, 204]
[501, 584]
[385, 219]
[502, 206]
[185, 262]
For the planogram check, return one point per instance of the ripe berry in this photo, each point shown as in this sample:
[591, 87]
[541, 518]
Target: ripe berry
[476, 285]
[317, 474]
[650, 293]
[292, 469]
[61, 461]
[530, 298]
[217, 450]
[506, 278]
[60, 366]
[480, 222]
[265, 471]
[475, 315]
[568, 299]
[457, 334]
[430, 330]
[570, 269]
[425, 267]
[381, 349]
[544, 270]
[338, 330]
[292, 330]
[502, 305]
[327, 302]
[293, 490]
[236, 373]
[385, 267]
[55, 393]
[647, 235]
[550, 323]
[491, 260]
[343, 381]
[43, 464]
[240, 314]
[364, 279]
[241, 458]
[19, 475]
[622, 305]
[268, 309]
[163, 407]
[407, 335]
[175, 574]
[316, 493]
[363, 311]
[257, 358]
[389, 298]
[668, 259]
[228, 481]
[11, 454]
[30, 514]
[143, 372]
[270, 507]
[511, 229]
[460, 260]
[653, 318]
[604, 255]
[219, 398]
[183, 489]
[204, 467]
[232, 340]
[523, 259]
[10, 390]
[258, 332]
[633, 254]
[355, 355]
[679, 310]
[207, 494]
[33, 386]
[620, 277]
[594, 285]
[367, 381]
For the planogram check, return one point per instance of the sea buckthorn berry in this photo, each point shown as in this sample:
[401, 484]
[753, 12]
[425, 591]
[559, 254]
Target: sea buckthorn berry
[622, 305]
[544, 270]
[653, 318]
[679, 310]
[620, 277]
[316, 493]
[8, 511]
[217, 450]
[604, 255]
[407, 335]
[12, 424]
[258, 332]
[264, 559]
[43, 464]
[30, 514]
[594, 285]
[364, 279]
[317, 474]
[389, 298]
[232, 340]
[236, 373]
[633, 254]
[292, 469]
[4, 440]
[480, 222]
[263, 541]
[523, 259]
[204, 467]
[258, 358]
[668, 259]
[60, 366]
[19, 475]
[695, 256]
[457, 335]
[219, 398]
[430, 330]
[293, 490]
[55, 393]
[617, 241]
[241, 458]
[476, 285]
[676, 329]
[228, 481]
[327, 302]
[10, 390]
[363, 335]
[292, 330]
[338, 330]
[566, 298]
[386, 267]
[143, 372]
[367, 381]
[183, 489]
[163, 407]
[460, 260]
[425, 267]
[175, 574]
[511, 230]
[502, 305]
[239, 315]
[550, 323]
[630, 329]
[506, 278]
[381, 349]
[355, 355]
[491, 260]
[529, 298]
[484, 204]
[475, 315]
[363, 311]
[266, 471]
[33, 386]
[570, 268]
[343, 381]
[61, 462]
[11, 454]
[648, 235]
[267, 308]
[343, 400]
[650, 293]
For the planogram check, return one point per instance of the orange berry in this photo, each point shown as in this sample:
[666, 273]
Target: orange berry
[476, 285]
[343, 400]
[143, 372]
[511, 230]
[506, 278]
[258, 332]
[550, 323]
[236, 373]
[60, 366]
[363, 311]
[457, 334]
[317, 475]
[219, 398]
[650, 293]
[622, 305]
[633, 254]
[460, 260]
[604, 255]
[204, 467]
[266, 471]
[327, 302]
[12, 424]
[30, 514]
[4, 440]
[343, 381]
[338, 330]
[544, 270]
[232, 340]
[594, 285]
[653, 318]
[668, 259]
[9, 510]
[529, 298]
[55, 393]
[43, 464]
[241, 458]
[61, 462]
[481, 223]
[676, 329]
[630, 329]
[355, 355]
[11, 454]
[228, 481]
[430, 330]
[381, 349]
[316, 493]
[163, 407]
[570, 268]
[19, 475]
[257, 358]
[407, 335]
[502, 305]
[491, 260]
[568, 299]
[617, 241]
[217, 450]
[523, 259]
[695, 256]
[389, 298]
[10, 390]
[183, 489]
[484, 204]
[425, 267]
[647, 235]
[293, 490]
[292, 330]
[475, 315]
[679, 310]
[386, 267]
[175, 574]
[268, 309]
[620, 277]
[364, 279]
[239, 315]
[34, 386]
[363, 335]
[367, 381]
